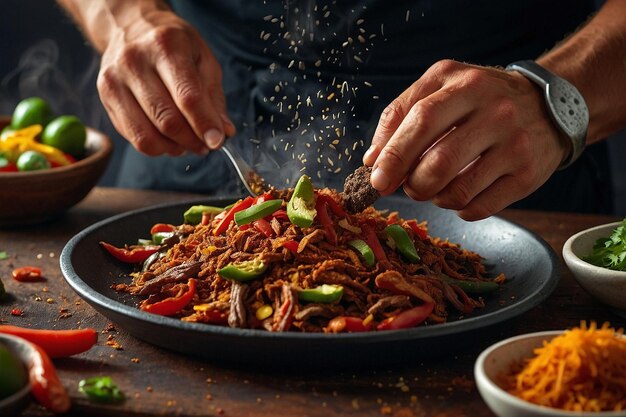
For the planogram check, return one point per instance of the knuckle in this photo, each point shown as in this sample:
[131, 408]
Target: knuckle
[445, 66]
[455, 197]
[130, 58]
[476, 78]
[142, 143]
[188, 95]
[166, 121]
[164, 37]
[106, 82]
[438, 162]
[506, 110]
[394, 158]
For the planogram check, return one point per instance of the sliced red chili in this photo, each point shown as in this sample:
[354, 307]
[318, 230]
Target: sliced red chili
[44, 382]
[408, 318]
[418, 228]
[264, 227]
[56, 343]
[280, 215]
[334, 206]
[370, 237]
[162, 227]
[292, 245]
[223, 224]
[133, 255]
[321, 206]
[349, 324]
[27, 274]
[172, 305]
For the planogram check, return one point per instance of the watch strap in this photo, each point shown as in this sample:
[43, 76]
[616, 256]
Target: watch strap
[566, 106]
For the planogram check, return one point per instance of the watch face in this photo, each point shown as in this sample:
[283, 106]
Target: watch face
[568, 108]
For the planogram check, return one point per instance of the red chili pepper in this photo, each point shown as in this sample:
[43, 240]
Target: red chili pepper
[222, 226]
[408, 318]
[16, 312]
[44, 382]
[262, 198]
[172, 305]
[264, 227]
[162, 227]
[419, 229]
[135, 255]
[292, 245]
[280, 215]
[27, 274]
[56, 343]
[334, 206]
[370, 237]
[349, 324]
[321, 206]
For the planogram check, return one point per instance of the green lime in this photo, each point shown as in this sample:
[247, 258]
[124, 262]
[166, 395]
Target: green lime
[66, 133]
[13, 375]
[31, 111]
[32, 161]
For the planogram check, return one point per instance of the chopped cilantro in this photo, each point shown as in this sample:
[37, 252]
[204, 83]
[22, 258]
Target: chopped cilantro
[610, 252]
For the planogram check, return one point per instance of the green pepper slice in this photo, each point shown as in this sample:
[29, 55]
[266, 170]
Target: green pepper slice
[101, 389]
[257, 211]
[159, 237]
[404, 244]
[193, 215]
[325, 293]
[471, 287]
[243, 271]
[301, 208]
[367, 254]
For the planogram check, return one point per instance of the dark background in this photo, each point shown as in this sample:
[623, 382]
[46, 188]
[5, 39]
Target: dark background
[44, 54]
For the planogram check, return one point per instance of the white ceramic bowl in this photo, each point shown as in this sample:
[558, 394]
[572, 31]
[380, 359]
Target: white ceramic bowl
[498, 359]
[12, 405]
[606, 285]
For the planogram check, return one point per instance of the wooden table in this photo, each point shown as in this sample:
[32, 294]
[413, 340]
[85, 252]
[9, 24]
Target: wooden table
[158, 382]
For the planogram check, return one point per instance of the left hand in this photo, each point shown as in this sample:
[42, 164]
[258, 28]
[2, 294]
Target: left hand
[469, 138]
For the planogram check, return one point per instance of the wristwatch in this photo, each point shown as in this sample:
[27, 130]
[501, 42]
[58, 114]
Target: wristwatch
[566, 105]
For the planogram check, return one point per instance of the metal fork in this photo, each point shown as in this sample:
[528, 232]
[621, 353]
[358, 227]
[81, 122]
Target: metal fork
[251, 180]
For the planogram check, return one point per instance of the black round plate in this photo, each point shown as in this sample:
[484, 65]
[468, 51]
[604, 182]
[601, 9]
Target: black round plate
[530, 265]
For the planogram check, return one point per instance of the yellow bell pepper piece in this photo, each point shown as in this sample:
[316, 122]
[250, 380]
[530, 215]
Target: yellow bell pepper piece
[17, 142]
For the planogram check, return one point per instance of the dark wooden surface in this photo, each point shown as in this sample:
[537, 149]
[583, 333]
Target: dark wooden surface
[158, 382]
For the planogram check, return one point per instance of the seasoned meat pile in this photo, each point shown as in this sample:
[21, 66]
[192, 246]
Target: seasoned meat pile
[358, 193]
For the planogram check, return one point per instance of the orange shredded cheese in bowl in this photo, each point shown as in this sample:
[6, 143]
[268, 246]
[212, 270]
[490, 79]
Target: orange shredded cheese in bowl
[584, 369]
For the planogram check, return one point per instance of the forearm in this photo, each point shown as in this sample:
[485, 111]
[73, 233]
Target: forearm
[594, 60]
[100, 20]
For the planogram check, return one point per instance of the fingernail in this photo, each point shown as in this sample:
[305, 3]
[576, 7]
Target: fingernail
[379, 179]
[213, 138]
[369, 153]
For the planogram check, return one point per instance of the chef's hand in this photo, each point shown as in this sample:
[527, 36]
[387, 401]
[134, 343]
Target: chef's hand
[161, 86]
[473, 139]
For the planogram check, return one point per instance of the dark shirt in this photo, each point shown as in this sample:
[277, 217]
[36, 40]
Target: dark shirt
[306, 81]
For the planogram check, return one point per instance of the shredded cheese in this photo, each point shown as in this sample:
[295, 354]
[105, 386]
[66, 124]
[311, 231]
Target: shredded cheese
[583, 369]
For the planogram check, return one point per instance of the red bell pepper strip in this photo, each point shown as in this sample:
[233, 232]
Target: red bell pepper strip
[262, 198]
[370, 237]
[264, 227]
[419, 229]
[321, 206]
[408, 318]
[44, 382]
[8, 167]
[292, 245]
[349, 324]
[222, 226]
[332, 204]
[27, 274]
[172, 305]
[135, 255]
[56, 343]
[162, 227]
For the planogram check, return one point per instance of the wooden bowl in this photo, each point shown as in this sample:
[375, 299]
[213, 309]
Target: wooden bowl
[38, 196]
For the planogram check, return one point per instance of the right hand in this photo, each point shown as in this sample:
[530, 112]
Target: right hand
[162, 87]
